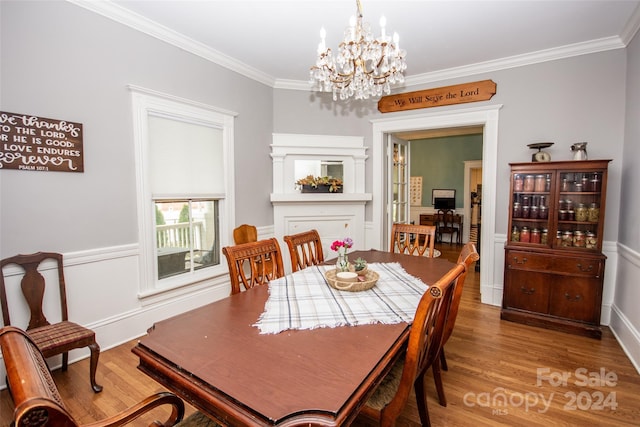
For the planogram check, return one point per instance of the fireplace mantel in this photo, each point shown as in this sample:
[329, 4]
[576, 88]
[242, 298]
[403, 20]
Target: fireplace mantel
[334, 215]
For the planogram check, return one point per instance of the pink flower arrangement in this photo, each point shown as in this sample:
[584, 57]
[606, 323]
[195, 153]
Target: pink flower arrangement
[346, 244]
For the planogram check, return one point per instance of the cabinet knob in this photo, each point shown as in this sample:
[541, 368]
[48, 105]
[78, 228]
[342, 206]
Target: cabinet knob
[588, 269]
[529, 291]
[515, 260]
[572, 299]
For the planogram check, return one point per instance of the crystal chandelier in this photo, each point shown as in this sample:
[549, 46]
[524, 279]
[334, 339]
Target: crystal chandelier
[364, 66]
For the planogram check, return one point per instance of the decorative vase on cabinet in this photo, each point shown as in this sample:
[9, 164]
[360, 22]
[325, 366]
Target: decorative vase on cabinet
[554, 265]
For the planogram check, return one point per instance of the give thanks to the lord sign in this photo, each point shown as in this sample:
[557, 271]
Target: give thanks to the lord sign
[449, 95]
[38, 144]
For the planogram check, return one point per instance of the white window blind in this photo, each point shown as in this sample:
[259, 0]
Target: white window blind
[185, 158]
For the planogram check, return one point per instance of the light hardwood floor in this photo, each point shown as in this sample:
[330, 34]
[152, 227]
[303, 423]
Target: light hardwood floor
[500, 373]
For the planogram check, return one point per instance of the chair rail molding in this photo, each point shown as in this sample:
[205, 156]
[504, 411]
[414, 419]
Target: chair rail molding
[334, 215]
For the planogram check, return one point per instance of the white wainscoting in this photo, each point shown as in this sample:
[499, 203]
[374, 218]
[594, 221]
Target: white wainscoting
[102, 294]
[625, 317]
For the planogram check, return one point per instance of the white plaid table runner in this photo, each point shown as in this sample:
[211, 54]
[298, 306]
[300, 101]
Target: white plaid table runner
[304, 300]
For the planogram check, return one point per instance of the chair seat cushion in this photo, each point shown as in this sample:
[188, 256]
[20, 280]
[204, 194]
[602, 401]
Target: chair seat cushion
[198, 419]
[388, 388]
[60, 335]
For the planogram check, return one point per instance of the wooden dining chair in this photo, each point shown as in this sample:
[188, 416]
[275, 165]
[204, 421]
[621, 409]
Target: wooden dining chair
[253, 263]
[467, 256]
[425, 340]
[38, 402]
[413, 239]
[245, 233]
[447, 225]
[305, 249]
[51, 338]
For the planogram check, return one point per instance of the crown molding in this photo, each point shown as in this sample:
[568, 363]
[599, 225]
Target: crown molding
[121, 15]
[138, 22]
[554, 54]
[632, 26]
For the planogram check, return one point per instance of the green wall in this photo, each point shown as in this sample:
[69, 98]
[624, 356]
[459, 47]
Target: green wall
[440, 162]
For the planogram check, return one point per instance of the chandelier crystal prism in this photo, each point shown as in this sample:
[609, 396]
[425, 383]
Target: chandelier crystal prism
[363, 66]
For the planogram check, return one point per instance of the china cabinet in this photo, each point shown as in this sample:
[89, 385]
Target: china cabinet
[554, 266]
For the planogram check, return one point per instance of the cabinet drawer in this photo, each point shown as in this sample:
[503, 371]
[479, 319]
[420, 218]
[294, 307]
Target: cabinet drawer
[586, 267]
[527, 291]
[576, 298]
[528, 261]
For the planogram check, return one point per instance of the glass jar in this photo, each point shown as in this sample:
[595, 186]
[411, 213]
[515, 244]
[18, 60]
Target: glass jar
[591, 240]
[535, 236]
[595, 184]
[563, 215]
[544, 236]
[517, 210]
[579, 239]
[518, 183]
[526, 201]
[526, 211]
[567, 239]
[515, 234]
[539, 183]
[569, 203]
[571, 215]
[525, 235]
[533, 212]
[585, 183]
[594, 212]
[562, 205]
[547, 185]
[578, 187]
[582, 213]
[558, 238]
[543, 212]
[565, 185]
[528, 183]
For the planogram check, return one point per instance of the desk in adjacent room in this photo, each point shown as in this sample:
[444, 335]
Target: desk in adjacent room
[458, 221]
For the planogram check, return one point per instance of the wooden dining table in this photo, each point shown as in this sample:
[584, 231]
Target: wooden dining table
[218, 361]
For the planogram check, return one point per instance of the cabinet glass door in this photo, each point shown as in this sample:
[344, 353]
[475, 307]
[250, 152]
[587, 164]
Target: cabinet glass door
[578, 210]
[530, 200]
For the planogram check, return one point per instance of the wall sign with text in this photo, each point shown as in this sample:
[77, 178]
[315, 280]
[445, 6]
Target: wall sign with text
[458, 94]
[39, 144]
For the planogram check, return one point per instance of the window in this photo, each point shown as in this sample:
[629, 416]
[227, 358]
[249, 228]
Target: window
[186, 236]
[184, 160]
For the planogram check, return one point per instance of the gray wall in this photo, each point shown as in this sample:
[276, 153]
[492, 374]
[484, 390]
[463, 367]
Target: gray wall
[565, 101]
[625, 318]
[440, 163]
[64, 62]
[630, 199]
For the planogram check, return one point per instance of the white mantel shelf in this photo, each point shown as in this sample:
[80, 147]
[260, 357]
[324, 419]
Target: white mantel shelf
[289, 198]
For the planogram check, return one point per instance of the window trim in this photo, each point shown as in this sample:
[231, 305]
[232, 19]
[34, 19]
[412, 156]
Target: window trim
[146, 102]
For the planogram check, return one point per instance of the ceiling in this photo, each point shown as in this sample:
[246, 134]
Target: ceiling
[275, 41]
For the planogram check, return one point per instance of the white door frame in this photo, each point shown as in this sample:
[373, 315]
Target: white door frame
[485, 116]
[468, 166]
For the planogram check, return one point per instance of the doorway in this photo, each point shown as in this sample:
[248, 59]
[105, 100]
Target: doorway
[481, 116]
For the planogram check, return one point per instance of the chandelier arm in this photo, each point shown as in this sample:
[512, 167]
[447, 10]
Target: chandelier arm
[348, 73]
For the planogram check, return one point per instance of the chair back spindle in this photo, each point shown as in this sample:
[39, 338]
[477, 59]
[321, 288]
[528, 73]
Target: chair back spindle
[305, 249]
[413, 239]
[254, 263]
